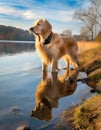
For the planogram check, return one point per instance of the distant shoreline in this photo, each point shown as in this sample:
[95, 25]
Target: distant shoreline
[12, 47]
[12, 41]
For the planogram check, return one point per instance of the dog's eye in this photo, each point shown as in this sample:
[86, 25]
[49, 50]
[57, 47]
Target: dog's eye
[38, 24]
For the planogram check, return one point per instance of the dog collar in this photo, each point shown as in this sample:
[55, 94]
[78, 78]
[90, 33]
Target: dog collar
[47, 41]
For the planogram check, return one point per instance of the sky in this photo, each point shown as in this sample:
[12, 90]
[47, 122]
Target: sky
[23, 13]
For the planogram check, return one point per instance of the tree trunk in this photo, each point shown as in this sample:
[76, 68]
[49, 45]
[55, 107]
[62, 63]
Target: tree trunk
[92, 35]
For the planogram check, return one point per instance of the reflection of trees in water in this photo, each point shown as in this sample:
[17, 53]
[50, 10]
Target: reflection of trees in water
[50, 89]
[16, 47]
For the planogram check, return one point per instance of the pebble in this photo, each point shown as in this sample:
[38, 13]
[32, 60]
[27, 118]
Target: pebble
[92, 91]
[15, 109]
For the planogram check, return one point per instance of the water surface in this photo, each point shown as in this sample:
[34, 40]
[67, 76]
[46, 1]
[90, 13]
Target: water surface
[20, 76]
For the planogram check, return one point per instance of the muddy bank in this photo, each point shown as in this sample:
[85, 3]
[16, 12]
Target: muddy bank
[90, 62]
[87, 116]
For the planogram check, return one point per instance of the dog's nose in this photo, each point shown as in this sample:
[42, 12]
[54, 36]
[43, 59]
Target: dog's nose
[31, 29]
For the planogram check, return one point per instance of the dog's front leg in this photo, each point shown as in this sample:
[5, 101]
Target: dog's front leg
[54, 65]
[44, 66]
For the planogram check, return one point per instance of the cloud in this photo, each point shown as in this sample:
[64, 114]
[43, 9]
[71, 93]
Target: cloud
[30, 10]
[22, 13]
[12, 12]
[29, 14]
[39, 8]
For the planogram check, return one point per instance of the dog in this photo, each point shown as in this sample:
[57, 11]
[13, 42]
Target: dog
[51, 46]
[49, 90]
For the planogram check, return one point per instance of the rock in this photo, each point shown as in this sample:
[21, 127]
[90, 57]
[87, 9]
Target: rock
[15, 109]
[18, 114]
[23, 127]
[92, 91]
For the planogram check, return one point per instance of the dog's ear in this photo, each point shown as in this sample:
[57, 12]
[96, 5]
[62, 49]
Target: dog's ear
[44, 20]
[48, 25]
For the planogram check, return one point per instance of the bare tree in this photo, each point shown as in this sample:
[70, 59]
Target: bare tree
[91, 16]
[88, 18]
[84, 33]
[96, 4]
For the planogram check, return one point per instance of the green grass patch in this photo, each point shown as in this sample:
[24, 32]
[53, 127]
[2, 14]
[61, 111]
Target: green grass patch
[86, 115]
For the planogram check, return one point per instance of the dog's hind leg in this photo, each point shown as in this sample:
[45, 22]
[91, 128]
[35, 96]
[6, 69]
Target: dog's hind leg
[74, 61]
[66, 61]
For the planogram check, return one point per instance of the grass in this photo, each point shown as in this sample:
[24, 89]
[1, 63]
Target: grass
[98, 37]
[87, 115]
[85, 45]
[82, 117]
[89, 56]
[95, 75]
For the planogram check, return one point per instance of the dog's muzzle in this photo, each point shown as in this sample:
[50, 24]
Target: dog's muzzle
[32, 30]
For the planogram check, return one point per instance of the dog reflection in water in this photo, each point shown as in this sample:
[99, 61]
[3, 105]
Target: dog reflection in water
[49, 90]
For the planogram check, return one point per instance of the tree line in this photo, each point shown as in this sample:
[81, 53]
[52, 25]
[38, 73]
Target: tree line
[13, 33]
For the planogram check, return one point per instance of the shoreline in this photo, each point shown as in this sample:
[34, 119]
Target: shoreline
[87, 115]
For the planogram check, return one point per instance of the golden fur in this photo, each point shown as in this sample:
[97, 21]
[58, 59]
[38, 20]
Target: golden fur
[52, 89]
[59, 46]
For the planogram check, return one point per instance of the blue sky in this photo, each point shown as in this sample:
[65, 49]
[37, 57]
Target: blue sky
[22, 13]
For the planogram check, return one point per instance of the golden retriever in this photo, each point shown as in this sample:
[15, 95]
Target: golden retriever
[51, 46]
[50, 90]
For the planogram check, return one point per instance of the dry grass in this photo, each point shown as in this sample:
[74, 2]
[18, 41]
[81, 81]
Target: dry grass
[85, 45]
[88, 57]
[95, 75]
[90, 62]
[88, 115]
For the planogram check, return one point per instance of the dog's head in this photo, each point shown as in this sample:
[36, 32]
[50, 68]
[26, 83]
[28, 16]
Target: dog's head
[42, 110]
[40, 27]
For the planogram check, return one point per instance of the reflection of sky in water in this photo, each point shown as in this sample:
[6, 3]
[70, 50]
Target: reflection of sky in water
[19, 62]
[19, 76]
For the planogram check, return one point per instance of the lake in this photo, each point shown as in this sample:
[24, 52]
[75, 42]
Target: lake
[21, 80]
